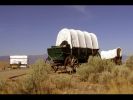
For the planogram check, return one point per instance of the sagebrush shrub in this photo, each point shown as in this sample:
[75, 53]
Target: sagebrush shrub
[105, 77]
[130, 78]
[129, 62]
[91, 70]
[3, 85]
[121, 71]
[63, 82]
[101, 65]
[109, 78]
[38, 74]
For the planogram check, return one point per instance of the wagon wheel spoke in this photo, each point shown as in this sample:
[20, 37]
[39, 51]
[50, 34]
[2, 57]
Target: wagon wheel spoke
[71, 62]
[54, 67]
[75, 61]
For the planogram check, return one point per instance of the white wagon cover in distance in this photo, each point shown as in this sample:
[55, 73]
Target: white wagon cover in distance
[109, 54]
[94, 41]
[88, 40]
[19, 56]
[16, 59]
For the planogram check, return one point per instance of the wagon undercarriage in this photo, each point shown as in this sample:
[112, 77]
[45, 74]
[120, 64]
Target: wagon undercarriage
[69, 65]
[67, 60]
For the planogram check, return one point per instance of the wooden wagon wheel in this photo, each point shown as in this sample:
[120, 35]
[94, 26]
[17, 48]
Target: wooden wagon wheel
[50, 62]
[71, 62]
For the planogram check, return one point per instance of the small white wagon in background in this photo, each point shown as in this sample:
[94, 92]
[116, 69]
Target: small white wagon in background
[19, 61]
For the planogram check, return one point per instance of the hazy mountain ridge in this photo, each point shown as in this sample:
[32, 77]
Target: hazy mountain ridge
[33, 58]
[4, 58]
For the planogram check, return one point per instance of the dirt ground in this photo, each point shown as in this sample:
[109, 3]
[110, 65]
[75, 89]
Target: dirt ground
[13, 73]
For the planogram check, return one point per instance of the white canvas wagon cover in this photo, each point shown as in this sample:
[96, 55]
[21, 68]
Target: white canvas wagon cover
[77, 38]
[16, 59]
[109, 54]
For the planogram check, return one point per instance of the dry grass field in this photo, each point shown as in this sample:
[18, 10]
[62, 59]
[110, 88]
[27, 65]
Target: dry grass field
[95, 77]
[3, 65]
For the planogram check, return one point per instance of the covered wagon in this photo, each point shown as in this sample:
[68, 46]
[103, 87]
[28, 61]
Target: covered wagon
[18, 61]
[115, 55]
[72, 47]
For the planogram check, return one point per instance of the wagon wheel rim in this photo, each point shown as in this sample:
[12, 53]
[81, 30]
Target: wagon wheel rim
[71, 62]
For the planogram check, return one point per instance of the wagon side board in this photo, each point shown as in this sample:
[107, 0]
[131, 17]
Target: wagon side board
[58, 54]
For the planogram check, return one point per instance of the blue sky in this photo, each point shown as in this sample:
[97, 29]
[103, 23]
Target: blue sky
[32, 29]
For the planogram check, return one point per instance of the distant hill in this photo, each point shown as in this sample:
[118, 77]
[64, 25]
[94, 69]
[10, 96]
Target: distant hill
[4, 58]
[32, 58]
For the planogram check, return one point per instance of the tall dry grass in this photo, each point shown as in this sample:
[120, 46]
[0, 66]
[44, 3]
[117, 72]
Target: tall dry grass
[129, 62]
[32, 84]
[95, 67]
[4, 65]
[115, 78]
[97, 76]
[37, 77]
